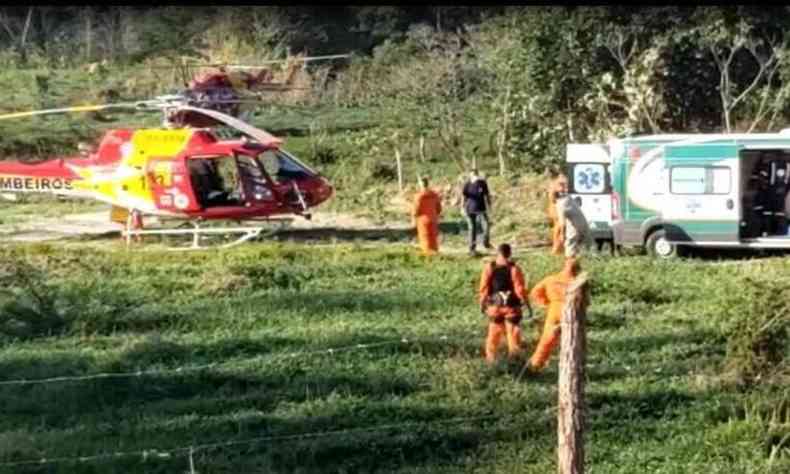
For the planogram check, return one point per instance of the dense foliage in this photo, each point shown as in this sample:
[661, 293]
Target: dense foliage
[504, 87]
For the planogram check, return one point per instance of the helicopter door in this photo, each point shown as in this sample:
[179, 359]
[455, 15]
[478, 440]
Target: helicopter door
[169, 181]
[257, 188]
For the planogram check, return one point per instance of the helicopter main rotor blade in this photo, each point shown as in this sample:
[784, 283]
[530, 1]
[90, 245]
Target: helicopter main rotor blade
[65, 110]
[243, 127]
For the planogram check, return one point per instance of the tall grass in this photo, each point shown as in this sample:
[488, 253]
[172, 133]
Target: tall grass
[658, 348]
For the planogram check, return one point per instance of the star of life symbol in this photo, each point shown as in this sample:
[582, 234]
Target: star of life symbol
[589, 179]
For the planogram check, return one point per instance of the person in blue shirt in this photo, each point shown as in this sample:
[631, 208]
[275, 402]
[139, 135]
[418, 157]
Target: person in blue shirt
[477, 203]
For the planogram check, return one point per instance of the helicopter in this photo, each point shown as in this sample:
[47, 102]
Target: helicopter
[233, 88]
[184, 171]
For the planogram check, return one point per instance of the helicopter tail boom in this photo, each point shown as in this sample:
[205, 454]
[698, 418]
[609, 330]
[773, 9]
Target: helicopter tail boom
[53, 177]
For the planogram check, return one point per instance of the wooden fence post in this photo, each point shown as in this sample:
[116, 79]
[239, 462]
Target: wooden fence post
[573, 352]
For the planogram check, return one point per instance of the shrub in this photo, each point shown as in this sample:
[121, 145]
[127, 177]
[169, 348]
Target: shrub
[324, 155]
[383, 172]
[759, 332]
[28, 308]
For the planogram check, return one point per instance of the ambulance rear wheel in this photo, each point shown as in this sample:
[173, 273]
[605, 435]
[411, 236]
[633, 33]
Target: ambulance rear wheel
[658, 246]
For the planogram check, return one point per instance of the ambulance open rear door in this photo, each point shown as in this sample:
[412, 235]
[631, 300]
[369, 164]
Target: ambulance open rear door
[589, 180]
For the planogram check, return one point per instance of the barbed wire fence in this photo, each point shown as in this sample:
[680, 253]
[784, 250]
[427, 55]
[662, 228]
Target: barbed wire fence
[229, 363]
[168, 453]
[190, 450]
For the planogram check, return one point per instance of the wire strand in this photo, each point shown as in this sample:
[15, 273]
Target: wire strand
[231, 363]
[168, 453]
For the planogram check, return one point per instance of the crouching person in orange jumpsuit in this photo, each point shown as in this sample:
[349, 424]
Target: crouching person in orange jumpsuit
[425, 215]
[551, 292]
[502, 293]
[557, 185]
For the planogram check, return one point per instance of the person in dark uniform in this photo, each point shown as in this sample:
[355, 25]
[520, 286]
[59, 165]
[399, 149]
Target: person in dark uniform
[761, 212]
[778, 194]
[477, 203]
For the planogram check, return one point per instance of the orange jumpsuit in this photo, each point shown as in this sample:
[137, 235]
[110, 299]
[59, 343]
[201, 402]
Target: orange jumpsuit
[121, 215]
[503, 320]
[559, 184]
[427, 208]
[551, 292]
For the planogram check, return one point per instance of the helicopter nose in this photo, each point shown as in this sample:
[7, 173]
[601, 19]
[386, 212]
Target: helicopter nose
[324, 191]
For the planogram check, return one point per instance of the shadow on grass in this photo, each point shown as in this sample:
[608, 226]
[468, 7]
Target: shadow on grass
[373, 233]
[136, 315]
[605, 321]
[686, 350]
[616, 411]
[325, 304]
[315, 234]
[360, 444]
[657, 342]
[262, 384]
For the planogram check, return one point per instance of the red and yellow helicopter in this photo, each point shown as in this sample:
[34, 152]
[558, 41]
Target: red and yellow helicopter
[183, 170]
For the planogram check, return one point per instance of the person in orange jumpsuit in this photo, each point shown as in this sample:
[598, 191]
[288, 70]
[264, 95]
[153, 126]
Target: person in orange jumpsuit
[133, 218]
[502, 293]
[551, 292]
[557, 185]
[425, 215]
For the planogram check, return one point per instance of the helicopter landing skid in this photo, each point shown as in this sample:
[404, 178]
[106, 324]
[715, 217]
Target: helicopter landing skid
[249, 233]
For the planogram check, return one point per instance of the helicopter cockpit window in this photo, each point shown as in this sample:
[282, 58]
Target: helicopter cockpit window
[255, 180]
[270, 163]
[282, 167]
[250, 170]
[216, 180]
[229, 173]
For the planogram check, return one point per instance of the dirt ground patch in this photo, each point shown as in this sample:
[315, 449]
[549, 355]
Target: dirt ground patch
[323, 227]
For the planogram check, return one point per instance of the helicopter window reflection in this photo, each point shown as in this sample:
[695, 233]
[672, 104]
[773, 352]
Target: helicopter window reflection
[229, 175]
[249, 168]
[254, 178]
[270, 163]
[281, 167]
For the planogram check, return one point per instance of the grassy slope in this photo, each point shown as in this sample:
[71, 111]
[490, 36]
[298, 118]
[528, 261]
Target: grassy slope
[655, 396]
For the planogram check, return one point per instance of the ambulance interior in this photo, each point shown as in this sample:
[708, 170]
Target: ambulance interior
[765, 181]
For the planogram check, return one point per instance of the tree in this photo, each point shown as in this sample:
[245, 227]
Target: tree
[17, 30]
[630, 98]
[727, 44]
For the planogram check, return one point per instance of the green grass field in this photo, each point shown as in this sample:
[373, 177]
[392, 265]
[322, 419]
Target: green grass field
[659, 397]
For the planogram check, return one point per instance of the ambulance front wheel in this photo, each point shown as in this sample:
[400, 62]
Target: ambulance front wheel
[658, 246]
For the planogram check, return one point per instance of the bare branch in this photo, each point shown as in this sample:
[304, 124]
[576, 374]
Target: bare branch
[5, 22]
[764, 65]
[615, 44]
[777, 105]
[761, 110]
[26, 28]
